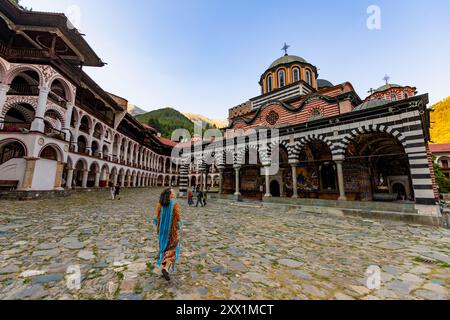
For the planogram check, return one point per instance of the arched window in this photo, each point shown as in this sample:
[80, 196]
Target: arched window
[316, 114]
[406, 95]
[393, 97]
[49, 153]
[82, 144]
[308, 77]
[10, 151]
[295, 74]
[269, 84]
[84, 125]
[281, 78]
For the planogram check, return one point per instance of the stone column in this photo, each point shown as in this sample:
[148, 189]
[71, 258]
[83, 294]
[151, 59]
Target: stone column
[135, 181]
[38, 122]
[125, 154]
[68, 119]
[85, 179]
[205, 182]
[30, 165]
[341, 182]
[236, 170]
[97, 180]
[220, 181]
[294, 180]
[69, 178]
[116, 176]
[3, 91]
[58, 176]
[267, 175]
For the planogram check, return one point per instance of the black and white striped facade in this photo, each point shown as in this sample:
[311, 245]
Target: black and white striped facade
[407, 121]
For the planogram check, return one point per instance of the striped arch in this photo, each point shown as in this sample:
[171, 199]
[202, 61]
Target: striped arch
[299, 145]
[348, 138]
[285, 143]
[68, 88]
[58, 115]
[16, 103]
[2, 73]
[240, 156]
[220, 159]
[13, 72]
[226, 153]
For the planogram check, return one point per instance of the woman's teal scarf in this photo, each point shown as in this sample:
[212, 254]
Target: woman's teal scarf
[165, 225]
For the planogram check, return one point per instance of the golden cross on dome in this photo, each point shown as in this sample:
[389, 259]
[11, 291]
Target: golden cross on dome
[387, 78]
[285, 48]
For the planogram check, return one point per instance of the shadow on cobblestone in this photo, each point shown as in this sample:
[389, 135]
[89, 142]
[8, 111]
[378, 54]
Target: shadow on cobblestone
[228, 252]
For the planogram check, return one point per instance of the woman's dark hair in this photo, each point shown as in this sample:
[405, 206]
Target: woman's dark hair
[164, 200]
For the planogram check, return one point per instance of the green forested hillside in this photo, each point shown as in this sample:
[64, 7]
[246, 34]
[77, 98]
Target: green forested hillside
[440, 122]
[167, 120]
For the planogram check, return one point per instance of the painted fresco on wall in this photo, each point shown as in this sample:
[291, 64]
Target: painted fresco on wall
[307, 179]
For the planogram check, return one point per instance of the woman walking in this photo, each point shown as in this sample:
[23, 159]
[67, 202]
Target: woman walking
[168, 225]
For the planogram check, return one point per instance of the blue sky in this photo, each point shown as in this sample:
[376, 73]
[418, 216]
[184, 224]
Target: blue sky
[206, 56]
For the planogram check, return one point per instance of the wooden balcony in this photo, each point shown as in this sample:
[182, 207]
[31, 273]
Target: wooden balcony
[54, 133]
[15, 126]
[23, 89]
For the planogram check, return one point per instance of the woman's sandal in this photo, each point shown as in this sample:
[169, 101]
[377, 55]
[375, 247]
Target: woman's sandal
[166, 274]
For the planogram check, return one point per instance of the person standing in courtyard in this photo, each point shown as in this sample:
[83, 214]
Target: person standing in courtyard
[112, 191]
[168, 225]
[190, 198]
[117, 192]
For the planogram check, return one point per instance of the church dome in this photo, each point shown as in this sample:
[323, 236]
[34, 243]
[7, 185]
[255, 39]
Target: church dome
[286, 60]
[371, 104]
[388, 86]
[322, 83]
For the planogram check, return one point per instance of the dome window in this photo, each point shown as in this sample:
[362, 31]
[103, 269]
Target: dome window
[281, 79]
[295, 74]
[308, 77]
[393, 97]
[269, 85]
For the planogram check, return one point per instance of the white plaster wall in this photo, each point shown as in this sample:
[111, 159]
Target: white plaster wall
[13, 170]
[44, 175]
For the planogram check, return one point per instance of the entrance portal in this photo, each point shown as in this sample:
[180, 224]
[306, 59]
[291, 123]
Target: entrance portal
[275, 189]
[400, 191]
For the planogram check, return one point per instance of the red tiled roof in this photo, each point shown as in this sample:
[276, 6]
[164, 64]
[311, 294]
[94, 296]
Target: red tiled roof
[146, 126]
[167, 142]
[440, 148]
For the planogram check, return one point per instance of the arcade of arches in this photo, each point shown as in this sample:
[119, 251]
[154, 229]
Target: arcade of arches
[375, 168]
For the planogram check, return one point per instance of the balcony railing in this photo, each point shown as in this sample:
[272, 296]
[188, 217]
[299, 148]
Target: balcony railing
[58, 99]
[84, 128]
[97, 135]
[54, 133]
[23, 89]
[21, 53]
[9, 126]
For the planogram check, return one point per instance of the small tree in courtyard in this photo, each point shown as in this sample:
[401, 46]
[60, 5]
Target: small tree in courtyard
[442, 181]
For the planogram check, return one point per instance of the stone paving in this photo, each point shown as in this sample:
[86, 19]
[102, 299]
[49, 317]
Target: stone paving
[230, 251]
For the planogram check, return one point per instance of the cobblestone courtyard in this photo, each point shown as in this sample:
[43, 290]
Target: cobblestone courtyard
[229, 252]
